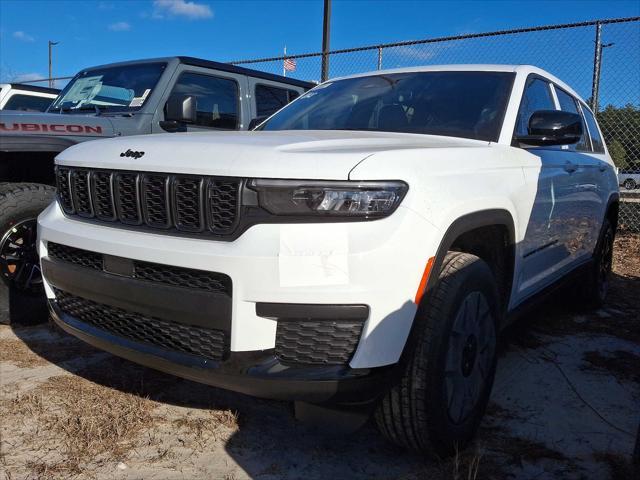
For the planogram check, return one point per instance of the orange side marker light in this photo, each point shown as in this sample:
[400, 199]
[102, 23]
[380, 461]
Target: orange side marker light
[423, 282]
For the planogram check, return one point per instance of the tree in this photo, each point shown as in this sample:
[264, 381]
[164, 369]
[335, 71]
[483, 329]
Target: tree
[621, 129]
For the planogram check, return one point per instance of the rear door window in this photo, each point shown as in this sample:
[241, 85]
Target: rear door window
[216, 99]
[568, 104]
[270, 99]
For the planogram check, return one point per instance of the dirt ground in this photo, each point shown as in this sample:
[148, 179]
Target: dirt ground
[566, 404]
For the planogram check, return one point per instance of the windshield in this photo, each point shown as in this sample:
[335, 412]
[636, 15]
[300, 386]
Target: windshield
[457, 104]
[119, 89]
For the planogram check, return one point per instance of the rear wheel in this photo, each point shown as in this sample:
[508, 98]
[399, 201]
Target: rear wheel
[591, 292]
[20, 205]
[629, 184]
[448, 372]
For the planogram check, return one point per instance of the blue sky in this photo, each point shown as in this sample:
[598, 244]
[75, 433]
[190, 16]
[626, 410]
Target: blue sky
[98, 32]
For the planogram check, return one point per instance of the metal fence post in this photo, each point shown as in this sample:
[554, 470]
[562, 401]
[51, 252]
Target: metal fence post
[379, 58]
[326, 33]
[597, 61]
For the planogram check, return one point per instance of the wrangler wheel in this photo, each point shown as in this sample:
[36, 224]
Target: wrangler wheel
[20, 205]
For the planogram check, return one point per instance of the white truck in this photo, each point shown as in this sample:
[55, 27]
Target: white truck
[630, 180]
[359, 252]
[174, 94]
[26, 98]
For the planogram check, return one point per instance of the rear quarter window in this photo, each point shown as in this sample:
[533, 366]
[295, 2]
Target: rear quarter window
[594, 132]
[569, 104]
[270, 99]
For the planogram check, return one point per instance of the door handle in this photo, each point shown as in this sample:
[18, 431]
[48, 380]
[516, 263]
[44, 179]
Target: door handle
[570, 167]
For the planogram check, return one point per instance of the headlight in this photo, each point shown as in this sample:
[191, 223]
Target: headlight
[329, 198]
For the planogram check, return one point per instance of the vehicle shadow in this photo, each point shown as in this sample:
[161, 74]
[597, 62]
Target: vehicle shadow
[22, 309]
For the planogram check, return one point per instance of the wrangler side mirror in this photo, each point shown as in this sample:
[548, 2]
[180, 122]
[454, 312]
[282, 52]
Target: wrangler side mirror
[552, 127]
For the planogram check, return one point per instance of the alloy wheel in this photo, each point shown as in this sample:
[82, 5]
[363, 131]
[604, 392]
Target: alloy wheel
[470, 356]
[19, 262]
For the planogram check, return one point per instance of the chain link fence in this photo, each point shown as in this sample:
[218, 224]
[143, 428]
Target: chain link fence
[600, 59]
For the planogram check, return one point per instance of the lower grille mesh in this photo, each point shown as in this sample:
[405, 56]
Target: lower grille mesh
[84, 258]
[148, 271]
[202, 342]
[317, 342]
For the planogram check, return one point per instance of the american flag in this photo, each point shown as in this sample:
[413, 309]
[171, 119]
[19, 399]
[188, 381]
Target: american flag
[290, 64]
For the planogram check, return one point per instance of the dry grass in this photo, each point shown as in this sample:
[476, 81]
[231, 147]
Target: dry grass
[72, 424]
[17, 353]
[619, 466]
[43, 352]
[204, 427]
[625, 366]
[466, 467]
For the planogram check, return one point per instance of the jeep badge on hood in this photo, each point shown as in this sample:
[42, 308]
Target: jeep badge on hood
[132, 154]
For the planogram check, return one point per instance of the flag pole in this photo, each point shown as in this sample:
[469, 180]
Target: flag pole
[284, 70]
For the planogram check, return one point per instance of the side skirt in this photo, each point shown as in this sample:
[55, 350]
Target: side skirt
[533, 301]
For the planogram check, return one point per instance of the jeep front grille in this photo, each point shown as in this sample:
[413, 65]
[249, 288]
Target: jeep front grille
[161, 201]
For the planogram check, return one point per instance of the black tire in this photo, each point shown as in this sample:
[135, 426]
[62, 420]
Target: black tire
[20, 205]
[415, 413]
[591, 291]
[629, 184]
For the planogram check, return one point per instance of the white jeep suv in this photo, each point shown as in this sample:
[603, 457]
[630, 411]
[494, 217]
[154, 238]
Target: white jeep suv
[359, 252]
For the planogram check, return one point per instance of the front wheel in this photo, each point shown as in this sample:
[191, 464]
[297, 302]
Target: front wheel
[20, 205]
[629, 184]
[449, 367]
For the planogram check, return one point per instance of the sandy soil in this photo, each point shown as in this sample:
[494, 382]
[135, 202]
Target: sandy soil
[566, 404]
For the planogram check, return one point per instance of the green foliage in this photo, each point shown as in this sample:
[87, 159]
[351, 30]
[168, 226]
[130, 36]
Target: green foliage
[621, 129]
[619, 154]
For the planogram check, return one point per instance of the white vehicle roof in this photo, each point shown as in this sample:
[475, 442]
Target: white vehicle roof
[518, 69]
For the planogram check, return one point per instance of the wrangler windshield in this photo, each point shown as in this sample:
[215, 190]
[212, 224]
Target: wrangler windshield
[456, 104]
[123, 88]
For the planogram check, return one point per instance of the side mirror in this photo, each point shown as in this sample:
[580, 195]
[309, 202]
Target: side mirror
[181, 108]
[257, 121]
[552, 127]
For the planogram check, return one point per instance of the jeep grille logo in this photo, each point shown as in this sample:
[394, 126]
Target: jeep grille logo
[132, 154]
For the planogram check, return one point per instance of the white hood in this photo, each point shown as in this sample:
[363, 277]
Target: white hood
[329, 155]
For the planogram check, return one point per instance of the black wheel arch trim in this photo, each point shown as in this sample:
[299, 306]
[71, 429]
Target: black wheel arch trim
[614, 199]
[464, 224]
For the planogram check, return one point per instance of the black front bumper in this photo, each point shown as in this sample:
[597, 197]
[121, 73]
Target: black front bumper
[256, 373]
